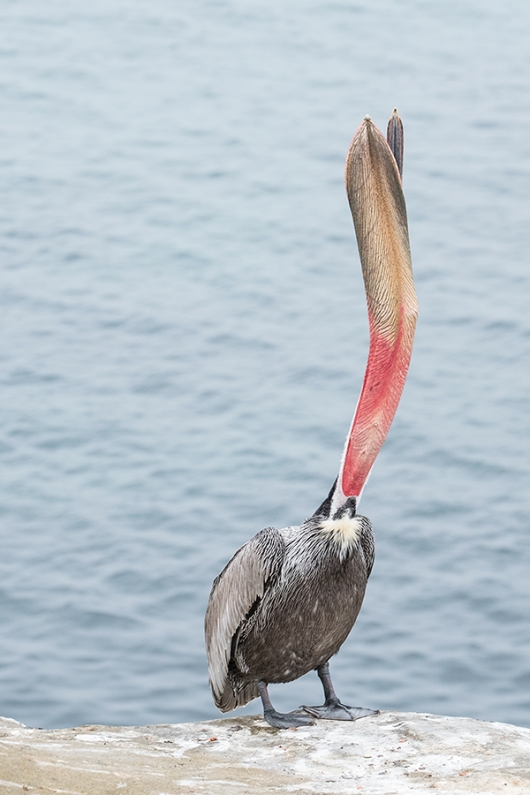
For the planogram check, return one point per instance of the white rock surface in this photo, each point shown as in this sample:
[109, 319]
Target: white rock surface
[388, 753]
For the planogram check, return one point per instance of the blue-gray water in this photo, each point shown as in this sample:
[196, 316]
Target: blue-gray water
[184, 337]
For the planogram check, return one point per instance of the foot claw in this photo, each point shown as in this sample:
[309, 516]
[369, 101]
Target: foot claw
[337, 711]
[289, 720]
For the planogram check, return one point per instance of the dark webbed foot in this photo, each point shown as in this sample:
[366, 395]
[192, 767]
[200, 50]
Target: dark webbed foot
[288, 720]
[334, 710]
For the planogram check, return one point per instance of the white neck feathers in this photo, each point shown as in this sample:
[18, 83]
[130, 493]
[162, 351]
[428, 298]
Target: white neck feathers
[345, 532]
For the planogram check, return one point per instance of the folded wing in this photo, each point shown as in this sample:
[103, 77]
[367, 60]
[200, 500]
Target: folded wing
[235, 595]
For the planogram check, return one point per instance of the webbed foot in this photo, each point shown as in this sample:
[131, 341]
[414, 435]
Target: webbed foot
[288, 720]
[333, 709]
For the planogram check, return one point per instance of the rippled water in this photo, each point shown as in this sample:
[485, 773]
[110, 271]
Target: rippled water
[184, 338]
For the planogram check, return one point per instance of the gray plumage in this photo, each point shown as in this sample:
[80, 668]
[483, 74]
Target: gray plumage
[285, 603]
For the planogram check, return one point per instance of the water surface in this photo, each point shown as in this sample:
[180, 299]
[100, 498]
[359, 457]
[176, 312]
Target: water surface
[184, 337]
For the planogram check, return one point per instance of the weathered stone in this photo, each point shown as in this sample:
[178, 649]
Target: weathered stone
[389, 753]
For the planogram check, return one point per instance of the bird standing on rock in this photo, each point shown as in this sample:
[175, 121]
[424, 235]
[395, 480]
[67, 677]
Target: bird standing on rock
[288, 599]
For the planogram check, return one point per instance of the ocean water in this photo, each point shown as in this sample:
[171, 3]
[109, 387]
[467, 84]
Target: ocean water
[184, 335]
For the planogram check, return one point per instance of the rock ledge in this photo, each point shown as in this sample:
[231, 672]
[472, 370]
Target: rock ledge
[390, 753]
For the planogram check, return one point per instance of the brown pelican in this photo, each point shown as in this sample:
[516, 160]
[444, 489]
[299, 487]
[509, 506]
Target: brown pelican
[287, 600]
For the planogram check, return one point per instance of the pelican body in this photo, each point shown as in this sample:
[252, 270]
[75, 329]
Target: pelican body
[288, 599]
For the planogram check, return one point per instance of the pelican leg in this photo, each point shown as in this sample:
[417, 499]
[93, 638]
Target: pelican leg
[288, 720]
[333, 709]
